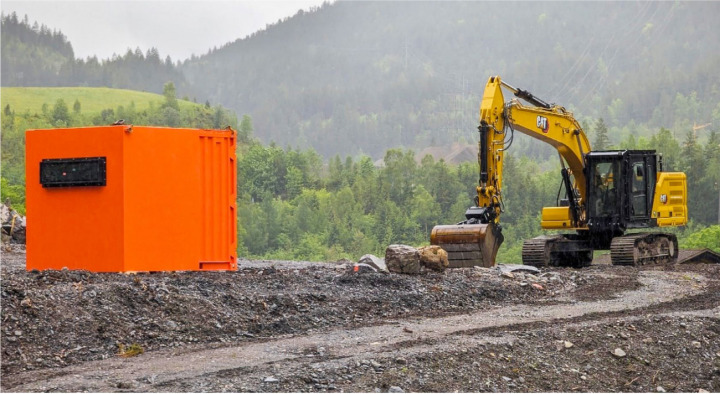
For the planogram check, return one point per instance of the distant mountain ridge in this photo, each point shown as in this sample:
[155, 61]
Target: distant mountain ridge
[363, 77]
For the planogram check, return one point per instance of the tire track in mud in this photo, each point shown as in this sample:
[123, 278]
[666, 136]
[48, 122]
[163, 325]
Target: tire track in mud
[154, 370]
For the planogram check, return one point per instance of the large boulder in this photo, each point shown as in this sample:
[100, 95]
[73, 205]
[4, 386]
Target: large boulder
[434, 258]
[402, 259]
[374, 261]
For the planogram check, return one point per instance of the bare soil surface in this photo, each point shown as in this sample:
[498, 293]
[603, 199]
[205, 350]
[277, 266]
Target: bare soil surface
[297, 326]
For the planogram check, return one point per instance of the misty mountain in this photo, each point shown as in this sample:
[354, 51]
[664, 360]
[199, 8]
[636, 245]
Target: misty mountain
[364, 76]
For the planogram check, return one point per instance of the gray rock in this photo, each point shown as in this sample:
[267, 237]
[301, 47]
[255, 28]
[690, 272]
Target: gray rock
[507, 379]
[660, 389]
[374, 261]
[395, 389]
[517, 268]
[402, 259]
[619, 353]
[270, 379]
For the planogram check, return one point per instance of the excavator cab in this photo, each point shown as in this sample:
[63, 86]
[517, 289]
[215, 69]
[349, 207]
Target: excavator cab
[621, 186]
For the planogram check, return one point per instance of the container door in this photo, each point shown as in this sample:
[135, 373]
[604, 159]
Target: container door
[219, 180]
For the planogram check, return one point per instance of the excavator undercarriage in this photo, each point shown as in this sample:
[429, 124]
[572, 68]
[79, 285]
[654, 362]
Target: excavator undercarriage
[566, 250]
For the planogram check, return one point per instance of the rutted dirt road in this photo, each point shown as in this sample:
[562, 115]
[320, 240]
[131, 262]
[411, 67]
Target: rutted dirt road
[276, 326]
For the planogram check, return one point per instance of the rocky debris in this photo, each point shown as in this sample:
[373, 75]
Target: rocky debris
[270, 379]
[568, 344]
[395, 389]
[177, 309]
[660, 389]
[60, 325]
[13, 224]
[402, 259]
[374, 261]
[434, 257]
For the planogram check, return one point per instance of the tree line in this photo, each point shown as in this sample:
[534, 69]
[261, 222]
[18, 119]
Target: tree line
[33, 55]
[292, 207]
[293, 204]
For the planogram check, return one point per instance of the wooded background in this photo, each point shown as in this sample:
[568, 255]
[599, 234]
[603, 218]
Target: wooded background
[337, 102]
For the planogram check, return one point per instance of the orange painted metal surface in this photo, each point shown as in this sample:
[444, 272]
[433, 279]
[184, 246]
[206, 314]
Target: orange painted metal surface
[169, 202]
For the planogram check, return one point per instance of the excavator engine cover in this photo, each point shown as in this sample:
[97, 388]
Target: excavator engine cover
[468, 245]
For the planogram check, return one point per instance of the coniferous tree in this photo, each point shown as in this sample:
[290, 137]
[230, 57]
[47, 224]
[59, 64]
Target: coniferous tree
[602, 141]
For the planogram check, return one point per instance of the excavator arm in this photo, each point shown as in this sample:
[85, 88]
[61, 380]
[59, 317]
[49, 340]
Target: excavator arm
[476, 240]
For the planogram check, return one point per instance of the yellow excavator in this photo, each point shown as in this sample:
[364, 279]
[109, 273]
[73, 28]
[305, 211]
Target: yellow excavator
[607, 193]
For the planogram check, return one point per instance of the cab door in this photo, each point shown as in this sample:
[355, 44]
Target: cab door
[642, 182]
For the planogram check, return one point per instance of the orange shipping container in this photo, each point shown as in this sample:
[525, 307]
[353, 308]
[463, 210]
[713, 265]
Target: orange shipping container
[131, 198]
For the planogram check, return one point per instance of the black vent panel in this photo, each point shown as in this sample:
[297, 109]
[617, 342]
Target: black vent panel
[86, 171]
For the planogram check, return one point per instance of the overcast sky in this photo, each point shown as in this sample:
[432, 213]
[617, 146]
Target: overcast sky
[175, 28]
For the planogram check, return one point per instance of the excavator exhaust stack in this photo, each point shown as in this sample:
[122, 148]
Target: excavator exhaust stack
[468, 245]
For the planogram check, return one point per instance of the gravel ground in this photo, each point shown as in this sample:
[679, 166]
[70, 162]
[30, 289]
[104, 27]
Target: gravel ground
[299, 326]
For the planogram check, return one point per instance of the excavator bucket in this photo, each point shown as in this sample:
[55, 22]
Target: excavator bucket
[468, 245]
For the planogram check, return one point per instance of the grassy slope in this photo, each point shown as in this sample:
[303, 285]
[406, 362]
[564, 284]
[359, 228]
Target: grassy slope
[92, 100]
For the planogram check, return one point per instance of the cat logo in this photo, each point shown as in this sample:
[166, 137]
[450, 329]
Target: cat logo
[542, 123]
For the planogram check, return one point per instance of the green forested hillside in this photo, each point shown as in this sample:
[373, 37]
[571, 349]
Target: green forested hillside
[358, 77]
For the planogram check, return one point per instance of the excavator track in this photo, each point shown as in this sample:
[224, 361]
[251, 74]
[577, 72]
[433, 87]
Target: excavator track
[556, 251]
[644, 248]
[536, 251]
